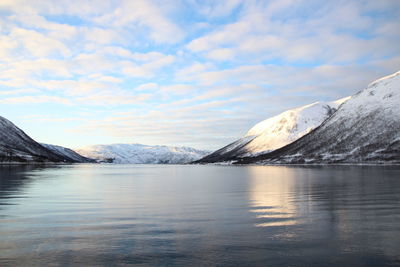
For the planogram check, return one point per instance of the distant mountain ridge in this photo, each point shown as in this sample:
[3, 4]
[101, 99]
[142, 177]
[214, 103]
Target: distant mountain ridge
[276, 132]
[17, 146]
[142, 154]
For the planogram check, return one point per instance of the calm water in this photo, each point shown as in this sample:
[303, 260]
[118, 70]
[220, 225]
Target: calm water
[120, 215]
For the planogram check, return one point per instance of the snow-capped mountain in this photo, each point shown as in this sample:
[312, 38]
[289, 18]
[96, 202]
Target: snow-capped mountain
[277, 131]
[366, 128]
[15, 145]
[67, 153]
[142, 154]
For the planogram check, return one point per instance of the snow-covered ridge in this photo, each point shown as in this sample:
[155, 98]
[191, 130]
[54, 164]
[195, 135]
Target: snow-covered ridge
[142, 154]
[383, 79]
[277, 131]
[289, 126]
[366, 128]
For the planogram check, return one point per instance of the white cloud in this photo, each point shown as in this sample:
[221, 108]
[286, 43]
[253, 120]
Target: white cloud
[31, 19]
[148, 69]
[136, 13]
[107, 79]
[228, 34]
[217, 8]
[186, 73]
[7, 48]
[112, 97]
[18, 91]
[177, 89]
[37, 44]
[18, 73]
[147, 87]
[270, 30]
[221, 54]
[36, 100]
[100, 35]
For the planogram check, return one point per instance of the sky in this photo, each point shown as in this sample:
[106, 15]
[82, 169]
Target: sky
[185, 73]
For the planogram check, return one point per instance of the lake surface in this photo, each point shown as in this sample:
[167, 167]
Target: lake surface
[165, 215]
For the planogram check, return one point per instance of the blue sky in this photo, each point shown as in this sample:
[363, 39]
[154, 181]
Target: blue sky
[193, 73]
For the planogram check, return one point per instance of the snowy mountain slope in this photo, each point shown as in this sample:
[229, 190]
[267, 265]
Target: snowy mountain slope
[277, 131]
[15, 145]
[366, 128]
[67, 153]
[142, 154]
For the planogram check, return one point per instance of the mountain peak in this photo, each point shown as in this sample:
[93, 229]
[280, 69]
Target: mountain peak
[362, 128]
[277, 131]
[366, 128]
